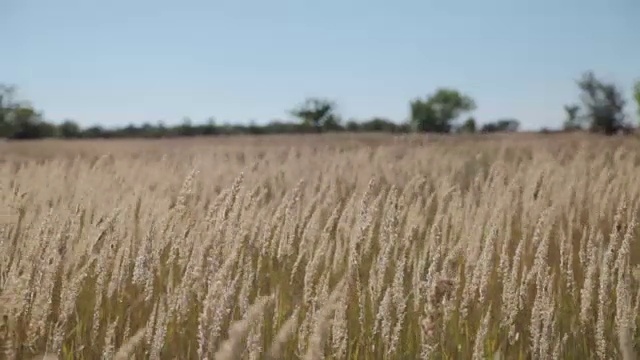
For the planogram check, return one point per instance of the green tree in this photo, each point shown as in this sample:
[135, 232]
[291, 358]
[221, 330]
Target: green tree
[209, 128]
[69, 129]
[19, 120]
[469, 126]
[254, 128]
[186, 128]
[504, 125]
[352, 126]
[7, 105]
[333, 123]
[636, 96]
[378, 124]
[160, 129]
[603, 103]
[96, 131]
[26, 123]
[47, 129]
[316, 112]
[572, 122]
[438, 112]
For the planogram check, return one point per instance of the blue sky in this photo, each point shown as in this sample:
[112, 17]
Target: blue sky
[116, 62]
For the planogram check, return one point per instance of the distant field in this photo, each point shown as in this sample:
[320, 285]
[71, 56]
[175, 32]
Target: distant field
[40, 149]
[321, 246]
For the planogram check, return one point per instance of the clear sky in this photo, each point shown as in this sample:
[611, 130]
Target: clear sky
[115, 62]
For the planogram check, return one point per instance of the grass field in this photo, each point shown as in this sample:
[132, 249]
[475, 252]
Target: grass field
[313, 247]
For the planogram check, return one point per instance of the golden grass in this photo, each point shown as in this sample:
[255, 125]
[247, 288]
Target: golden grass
[312, 247]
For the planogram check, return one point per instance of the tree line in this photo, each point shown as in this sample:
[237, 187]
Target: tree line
[601, 109]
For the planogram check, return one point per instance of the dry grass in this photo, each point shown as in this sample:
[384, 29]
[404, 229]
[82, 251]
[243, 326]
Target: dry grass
[318, 247]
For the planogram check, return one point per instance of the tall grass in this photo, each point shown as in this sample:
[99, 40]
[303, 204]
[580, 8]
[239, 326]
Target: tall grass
[397, 250]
